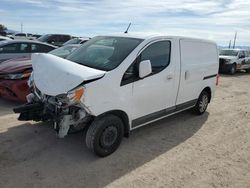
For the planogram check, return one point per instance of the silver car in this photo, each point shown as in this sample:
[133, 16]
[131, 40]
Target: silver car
[22, 48]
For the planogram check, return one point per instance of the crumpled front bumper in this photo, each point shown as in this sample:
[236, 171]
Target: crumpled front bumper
[30, 111]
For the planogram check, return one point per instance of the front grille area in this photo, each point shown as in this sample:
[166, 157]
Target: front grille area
[222, 62]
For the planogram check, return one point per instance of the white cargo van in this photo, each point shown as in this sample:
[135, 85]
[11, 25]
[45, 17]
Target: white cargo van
[115, 84]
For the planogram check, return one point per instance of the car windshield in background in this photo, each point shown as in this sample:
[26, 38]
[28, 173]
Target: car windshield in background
[44, 38]
[63, 51]
[104, 53]
[73, 41]
[229, 52]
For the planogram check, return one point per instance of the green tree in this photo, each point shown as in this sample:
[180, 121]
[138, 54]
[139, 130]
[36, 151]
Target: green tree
[2, 27]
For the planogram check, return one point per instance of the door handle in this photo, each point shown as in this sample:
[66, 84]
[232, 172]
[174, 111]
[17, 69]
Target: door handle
[170, 77]
[187, 75]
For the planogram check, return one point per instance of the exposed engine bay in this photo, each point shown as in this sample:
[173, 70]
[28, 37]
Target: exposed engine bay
[58, 110]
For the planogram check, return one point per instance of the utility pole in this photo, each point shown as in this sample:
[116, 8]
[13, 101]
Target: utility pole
[21, 27]
[229, 44]
[235, 36]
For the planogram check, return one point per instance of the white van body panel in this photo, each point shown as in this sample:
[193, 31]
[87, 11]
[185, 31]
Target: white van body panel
[199, 61]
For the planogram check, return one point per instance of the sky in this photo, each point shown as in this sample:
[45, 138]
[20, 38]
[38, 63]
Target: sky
[210, 19]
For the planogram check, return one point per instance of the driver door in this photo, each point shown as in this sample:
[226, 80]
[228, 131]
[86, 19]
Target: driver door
[156, 92]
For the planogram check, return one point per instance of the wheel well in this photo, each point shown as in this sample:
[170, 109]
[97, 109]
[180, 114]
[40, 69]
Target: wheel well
[124, 118]
[208, 90]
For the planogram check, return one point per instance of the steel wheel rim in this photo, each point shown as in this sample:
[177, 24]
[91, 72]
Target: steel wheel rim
[109, 136]
[203, 103]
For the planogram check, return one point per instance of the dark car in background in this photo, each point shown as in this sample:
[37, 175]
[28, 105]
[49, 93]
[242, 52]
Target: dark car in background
[15, 73]
[55, 39]
[10, 49]
[78, 40]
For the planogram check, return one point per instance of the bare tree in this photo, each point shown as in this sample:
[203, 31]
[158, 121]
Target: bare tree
[2, 27]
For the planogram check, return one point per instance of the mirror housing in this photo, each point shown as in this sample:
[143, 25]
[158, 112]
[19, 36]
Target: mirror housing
[145, 68]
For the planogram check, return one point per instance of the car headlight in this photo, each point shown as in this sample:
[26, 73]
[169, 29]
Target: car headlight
[30, 81]
[75, 95]
[227, 60]
[16, 76]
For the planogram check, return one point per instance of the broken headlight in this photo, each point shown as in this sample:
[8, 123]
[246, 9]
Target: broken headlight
[17, 76]
[76, 94]
[72, 97]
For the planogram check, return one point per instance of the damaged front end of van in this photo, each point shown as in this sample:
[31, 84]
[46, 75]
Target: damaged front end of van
[57, 92]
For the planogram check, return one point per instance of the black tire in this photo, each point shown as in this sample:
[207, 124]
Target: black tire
[105, 135]
[232, 70]
[202, 103]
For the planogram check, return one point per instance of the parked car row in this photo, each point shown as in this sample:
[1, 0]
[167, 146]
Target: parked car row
[4, 38]
[22, 36]
[53, 39]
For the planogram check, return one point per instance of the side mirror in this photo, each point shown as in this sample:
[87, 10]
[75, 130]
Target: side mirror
[145, 68]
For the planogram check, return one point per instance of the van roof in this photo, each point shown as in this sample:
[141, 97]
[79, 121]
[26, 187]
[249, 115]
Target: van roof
[145, 36]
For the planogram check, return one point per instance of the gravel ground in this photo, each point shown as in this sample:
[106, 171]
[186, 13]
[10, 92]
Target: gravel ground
[212, 150]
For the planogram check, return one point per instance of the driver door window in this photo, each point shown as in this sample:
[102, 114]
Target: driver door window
[159, 55]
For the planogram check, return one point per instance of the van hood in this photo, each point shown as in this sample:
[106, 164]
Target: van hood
[53, 75]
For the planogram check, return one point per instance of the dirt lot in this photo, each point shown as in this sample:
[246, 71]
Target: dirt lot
[212, 150]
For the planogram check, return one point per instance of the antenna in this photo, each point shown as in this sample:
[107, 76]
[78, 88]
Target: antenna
[128, 28]
[235, 36]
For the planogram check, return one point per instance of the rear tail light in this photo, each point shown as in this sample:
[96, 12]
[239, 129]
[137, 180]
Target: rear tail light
[217, 79]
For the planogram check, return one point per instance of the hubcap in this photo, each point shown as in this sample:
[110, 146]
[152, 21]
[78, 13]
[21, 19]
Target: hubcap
[109, 136]
[203, 103]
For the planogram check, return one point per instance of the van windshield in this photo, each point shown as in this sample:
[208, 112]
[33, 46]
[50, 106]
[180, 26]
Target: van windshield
[104, 53]
[229, 52]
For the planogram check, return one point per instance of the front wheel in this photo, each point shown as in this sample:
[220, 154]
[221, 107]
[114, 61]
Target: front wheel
[202, 103]
[105, 135]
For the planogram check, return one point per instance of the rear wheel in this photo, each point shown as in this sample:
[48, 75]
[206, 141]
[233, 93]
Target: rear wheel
[105, 135]
[232, 70]
[202, 103]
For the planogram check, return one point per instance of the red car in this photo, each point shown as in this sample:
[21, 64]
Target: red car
[14, 75]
